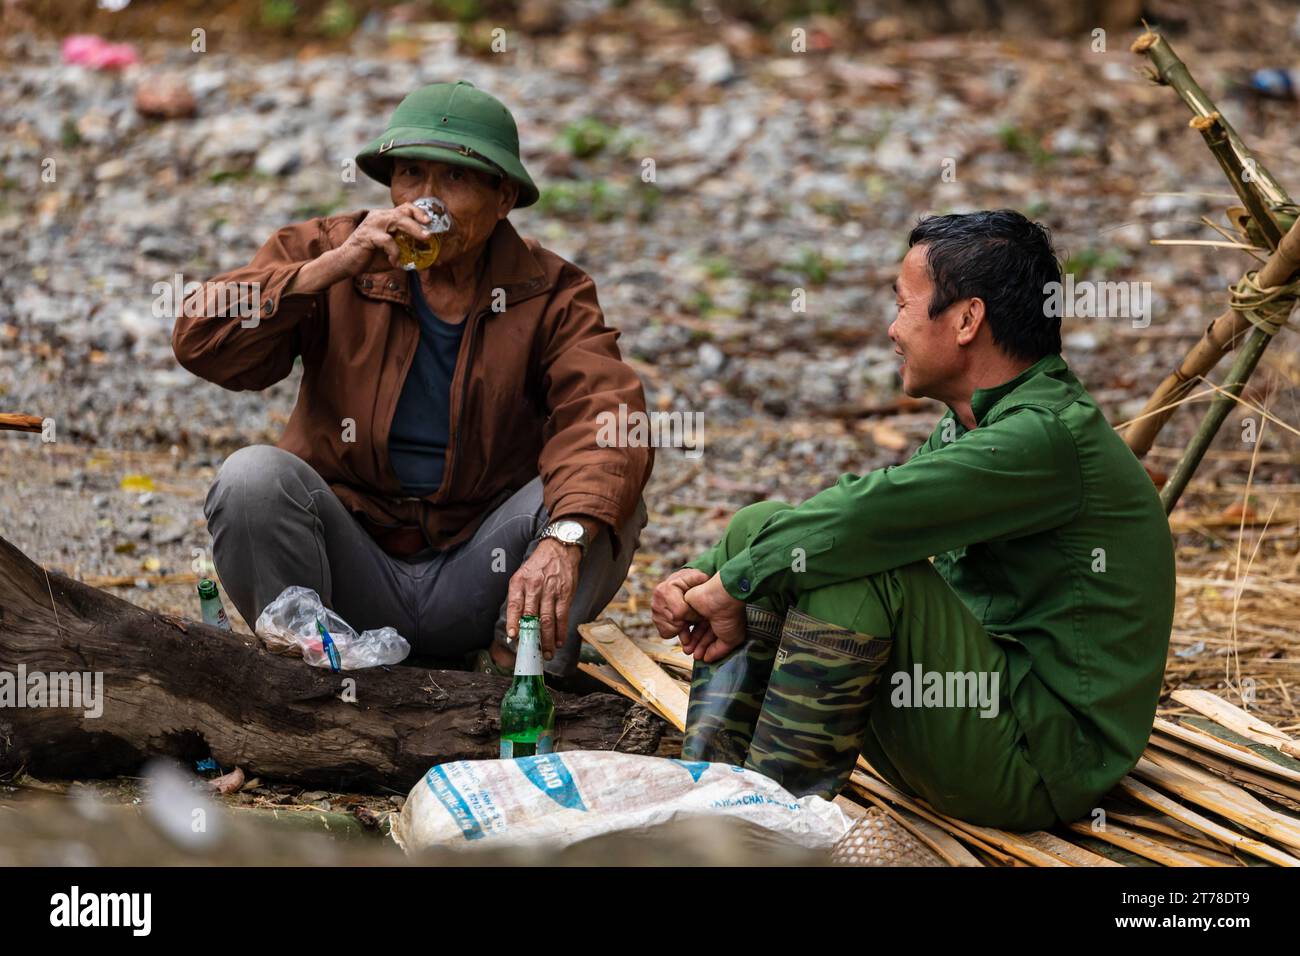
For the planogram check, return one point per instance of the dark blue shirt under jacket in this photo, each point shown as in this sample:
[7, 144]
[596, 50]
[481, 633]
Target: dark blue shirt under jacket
[417, 441]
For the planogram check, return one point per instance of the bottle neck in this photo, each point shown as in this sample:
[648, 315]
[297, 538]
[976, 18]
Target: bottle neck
[528, 659]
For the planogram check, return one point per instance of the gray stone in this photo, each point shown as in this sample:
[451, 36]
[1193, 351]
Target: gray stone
[711, 359]
[712, 65]
[279, 158]
[1081, 341]
[170, 533]
[233, 135]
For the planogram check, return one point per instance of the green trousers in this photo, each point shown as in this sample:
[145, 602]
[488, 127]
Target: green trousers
[930, 733]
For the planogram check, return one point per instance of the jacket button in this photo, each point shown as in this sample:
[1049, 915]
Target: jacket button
[391, 284]
[366, 283]
[744, 584]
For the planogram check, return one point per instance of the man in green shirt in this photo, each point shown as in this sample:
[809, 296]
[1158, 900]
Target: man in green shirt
[1012, 681]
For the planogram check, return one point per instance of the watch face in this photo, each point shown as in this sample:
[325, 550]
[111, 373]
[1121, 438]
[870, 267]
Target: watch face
[570, 532]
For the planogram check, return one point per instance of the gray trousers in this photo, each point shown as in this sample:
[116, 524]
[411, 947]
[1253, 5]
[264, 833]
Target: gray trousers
[274, 523]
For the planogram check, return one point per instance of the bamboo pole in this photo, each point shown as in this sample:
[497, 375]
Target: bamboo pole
[19, 423]
[1222, 403]
[1069, 852]
[343, 826]
[1263, 196]
[1215, 132]
[1221, 336]
[1245, 744]
[1169, 70]
[670, 656]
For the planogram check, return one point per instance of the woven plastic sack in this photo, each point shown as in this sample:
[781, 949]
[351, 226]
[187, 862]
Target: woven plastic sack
[563, 798]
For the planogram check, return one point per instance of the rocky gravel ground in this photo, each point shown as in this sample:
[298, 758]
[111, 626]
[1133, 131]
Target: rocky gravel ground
[777, 175]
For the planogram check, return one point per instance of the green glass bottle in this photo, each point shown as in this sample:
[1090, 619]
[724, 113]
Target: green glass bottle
[210, 605]
[527, 711]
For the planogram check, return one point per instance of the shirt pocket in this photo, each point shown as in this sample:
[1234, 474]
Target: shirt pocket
[1003, 605]
[967, 577]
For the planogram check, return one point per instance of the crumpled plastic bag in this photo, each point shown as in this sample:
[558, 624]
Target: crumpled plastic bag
[86, 49]
[290, 621]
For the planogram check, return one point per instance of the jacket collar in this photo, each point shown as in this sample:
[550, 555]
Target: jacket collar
[511, 266]
[982, 400]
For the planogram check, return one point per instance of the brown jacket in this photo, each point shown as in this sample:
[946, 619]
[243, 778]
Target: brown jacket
[529, 383]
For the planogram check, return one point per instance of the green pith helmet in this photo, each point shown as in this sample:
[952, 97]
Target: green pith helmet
[451, 123]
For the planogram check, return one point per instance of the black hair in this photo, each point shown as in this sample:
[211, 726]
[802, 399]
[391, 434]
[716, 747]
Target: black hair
[1006, 260]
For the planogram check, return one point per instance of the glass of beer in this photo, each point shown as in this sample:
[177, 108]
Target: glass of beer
[422, 253]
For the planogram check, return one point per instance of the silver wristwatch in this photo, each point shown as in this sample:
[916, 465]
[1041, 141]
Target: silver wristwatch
[567, 531]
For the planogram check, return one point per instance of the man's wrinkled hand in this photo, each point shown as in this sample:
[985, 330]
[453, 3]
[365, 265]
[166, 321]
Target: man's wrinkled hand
[724, 618]
[671, 614]
[544, 585]
[371, 247]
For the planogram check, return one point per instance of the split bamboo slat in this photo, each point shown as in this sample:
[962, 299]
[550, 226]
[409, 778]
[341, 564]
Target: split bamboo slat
[615, 682]
[1188, 782]
[670, 656]
[1236, 719]
[1169, 827]
[1141, 792]
[1276, 790]
[654, 684]
[1232, 752]
[1145, 846]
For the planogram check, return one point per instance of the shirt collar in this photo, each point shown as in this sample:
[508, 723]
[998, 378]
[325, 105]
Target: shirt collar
[512, 265]
[982, 400]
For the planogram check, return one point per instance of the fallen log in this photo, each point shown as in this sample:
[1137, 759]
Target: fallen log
[167, 687]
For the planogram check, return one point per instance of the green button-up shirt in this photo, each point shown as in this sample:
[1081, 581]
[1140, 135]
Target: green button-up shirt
[1048, 528]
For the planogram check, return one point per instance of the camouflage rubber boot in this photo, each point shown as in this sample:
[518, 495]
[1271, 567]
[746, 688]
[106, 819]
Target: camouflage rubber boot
[727, 695]
[817, 706]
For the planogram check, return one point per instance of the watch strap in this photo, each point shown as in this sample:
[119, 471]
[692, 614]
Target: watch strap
[550, 532]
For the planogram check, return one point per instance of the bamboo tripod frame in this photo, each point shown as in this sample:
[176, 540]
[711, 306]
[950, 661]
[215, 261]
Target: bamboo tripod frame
[1269, 209]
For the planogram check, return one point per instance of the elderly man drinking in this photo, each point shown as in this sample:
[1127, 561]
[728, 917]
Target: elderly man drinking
[441, 471]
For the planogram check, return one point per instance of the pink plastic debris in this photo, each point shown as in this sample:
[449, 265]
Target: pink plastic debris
[86, 49]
